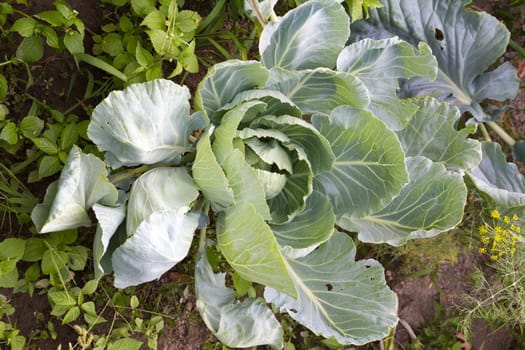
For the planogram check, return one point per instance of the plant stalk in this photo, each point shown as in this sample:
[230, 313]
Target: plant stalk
[255, 8]
[202, 236]
[502, 133]
[514, 45]
[485, 133]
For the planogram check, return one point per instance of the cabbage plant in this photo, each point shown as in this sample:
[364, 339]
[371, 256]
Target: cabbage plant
[281, 165]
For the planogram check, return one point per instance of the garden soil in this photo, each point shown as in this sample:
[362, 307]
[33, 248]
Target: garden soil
[417, 295]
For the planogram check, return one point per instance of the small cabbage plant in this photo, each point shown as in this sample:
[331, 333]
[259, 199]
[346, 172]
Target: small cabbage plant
[281, 160]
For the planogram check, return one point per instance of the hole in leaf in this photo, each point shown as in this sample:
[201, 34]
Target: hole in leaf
[438, 34]
[368, 266]
[329, 287]
[293, 310]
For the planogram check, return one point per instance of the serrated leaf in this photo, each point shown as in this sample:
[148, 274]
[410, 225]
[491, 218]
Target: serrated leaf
[53, 261]
[51, 37]
[142, 7]
[146, 123]
[225, 80]
[319, 90]
[379, 64]
[339, 297]
[250, 247]
[236, 324]
[187, 21]
[159, 226]
[502, 182]
[52, 17]
[465, 42]
[369, 169]
[82, 183]
[431, 203]
[441, 142]
[144, 58]
[61, 298]
[68, 137]
[287, 43]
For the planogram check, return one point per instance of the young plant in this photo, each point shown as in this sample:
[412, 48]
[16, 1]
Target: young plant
[278, 154]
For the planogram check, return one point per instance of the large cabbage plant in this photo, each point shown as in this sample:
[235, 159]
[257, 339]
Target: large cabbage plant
[280, 161]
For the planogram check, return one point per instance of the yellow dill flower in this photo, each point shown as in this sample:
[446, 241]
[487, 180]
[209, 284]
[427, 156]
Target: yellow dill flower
[483, 250]
[506, 219]
[518, 229]
[497, 237]
[494, 257]
[515, 217]
[482, 229]
[495, 214]
[485, 240]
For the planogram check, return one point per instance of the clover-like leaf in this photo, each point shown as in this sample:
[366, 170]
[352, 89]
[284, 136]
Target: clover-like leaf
[431, 203]
[369, 169]
[339, 297]
[288, 43]
[499, 180]
[236, 324]
[82, 183]
[465, 42]
[144, 124]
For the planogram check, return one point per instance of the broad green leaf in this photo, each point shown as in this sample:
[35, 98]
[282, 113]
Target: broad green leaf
[227, 130]
[82, 183]
[431, 203]
[208, 174]
[268, 153]
[8, 274]
[307, 37]
[298, 186]
[12, 248]
[74, 42]
[302, 133]
[369, 169]
[465, 43]
[243, 182]
[109, 220]
[499, 180]
[441, 142]
[379, 64]
[125, 344]
[46, 145]
[24, 26]
[9, 134]
[158, 190]
[146, 123]
[312, 227]
[159, 226]
[276, 103]
[31, 126]
[236, 324]
[250, 247]
[339, 297]
[154, 20]
[159, 243]
[48, 165]
[71, 315]
[3, 90]
[319, 90]
[225, 80]
[31, 49]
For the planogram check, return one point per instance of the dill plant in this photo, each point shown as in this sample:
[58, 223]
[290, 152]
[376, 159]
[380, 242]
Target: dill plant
[498, 298]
